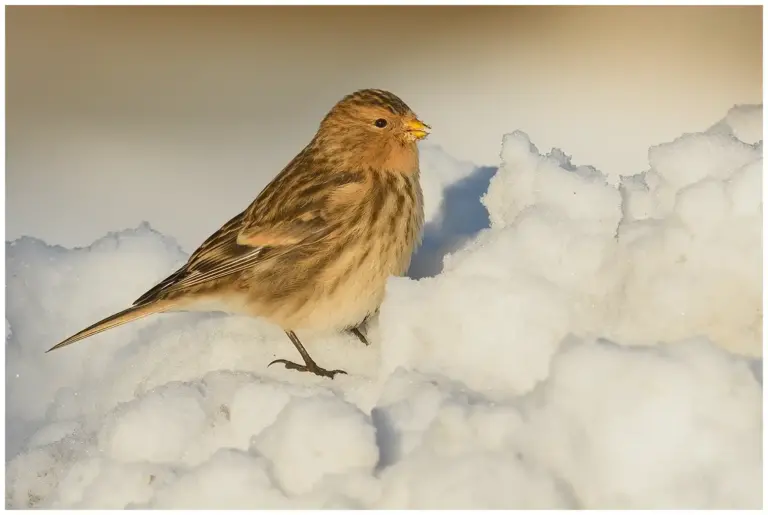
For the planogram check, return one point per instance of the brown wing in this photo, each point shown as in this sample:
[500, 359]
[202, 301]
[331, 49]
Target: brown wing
[215, 243]
[294, 209]
[224, 253]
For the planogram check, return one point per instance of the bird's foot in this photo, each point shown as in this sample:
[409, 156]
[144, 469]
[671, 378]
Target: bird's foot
[309, 367]
[360, 336]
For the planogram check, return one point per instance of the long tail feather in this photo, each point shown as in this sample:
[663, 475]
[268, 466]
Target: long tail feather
[123, 317]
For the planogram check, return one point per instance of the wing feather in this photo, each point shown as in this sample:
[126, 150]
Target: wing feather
[223, 254]
[272, 226]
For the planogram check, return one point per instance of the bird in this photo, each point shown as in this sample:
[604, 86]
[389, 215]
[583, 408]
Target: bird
[314, 250]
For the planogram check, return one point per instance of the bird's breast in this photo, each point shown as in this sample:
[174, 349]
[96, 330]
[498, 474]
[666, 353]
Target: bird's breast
[353, 283]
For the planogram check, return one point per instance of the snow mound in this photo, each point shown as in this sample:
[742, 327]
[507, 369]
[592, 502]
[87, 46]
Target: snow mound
[575, 344]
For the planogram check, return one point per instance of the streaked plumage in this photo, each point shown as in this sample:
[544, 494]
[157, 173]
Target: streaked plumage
[314, 250]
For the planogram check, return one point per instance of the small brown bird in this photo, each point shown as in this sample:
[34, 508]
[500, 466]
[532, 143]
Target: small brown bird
[315, 249]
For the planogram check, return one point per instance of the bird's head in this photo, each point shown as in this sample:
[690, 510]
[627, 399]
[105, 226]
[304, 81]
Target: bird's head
[375, 128]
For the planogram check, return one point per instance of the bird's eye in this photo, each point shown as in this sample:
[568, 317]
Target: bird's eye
[380, 123]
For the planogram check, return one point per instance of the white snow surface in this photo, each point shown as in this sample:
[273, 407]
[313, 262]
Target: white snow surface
[582, 345]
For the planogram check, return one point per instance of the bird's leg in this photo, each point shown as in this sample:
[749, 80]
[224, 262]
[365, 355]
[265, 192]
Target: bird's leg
[360, 336]
[309, 364]
[358, 332]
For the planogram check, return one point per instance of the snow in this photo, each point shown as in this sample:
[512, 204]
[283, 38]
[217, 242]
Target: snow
[563, 341]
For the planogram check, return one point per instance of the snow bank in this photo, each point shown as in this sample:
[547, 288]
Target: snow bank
[577, 345]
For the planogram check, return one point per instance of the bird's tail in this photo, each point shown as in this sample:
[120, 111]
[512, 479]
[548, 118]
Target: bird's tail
[123, 317]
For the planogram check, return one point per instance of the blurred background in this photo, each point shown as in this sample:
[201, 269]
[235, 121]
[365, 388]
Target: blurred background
[180, 115]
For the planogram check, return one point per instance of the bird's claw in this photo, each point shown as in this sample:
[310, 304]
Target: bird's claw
[360, 336]
[307, 368]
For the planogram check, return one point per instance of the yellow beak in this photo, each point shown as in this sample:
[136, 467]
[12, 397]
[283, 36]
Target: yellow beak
[417, 129]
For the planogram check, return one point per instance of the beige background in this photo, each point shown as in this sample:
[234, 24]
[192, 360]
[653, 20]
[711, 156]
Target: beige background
[179, 115]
